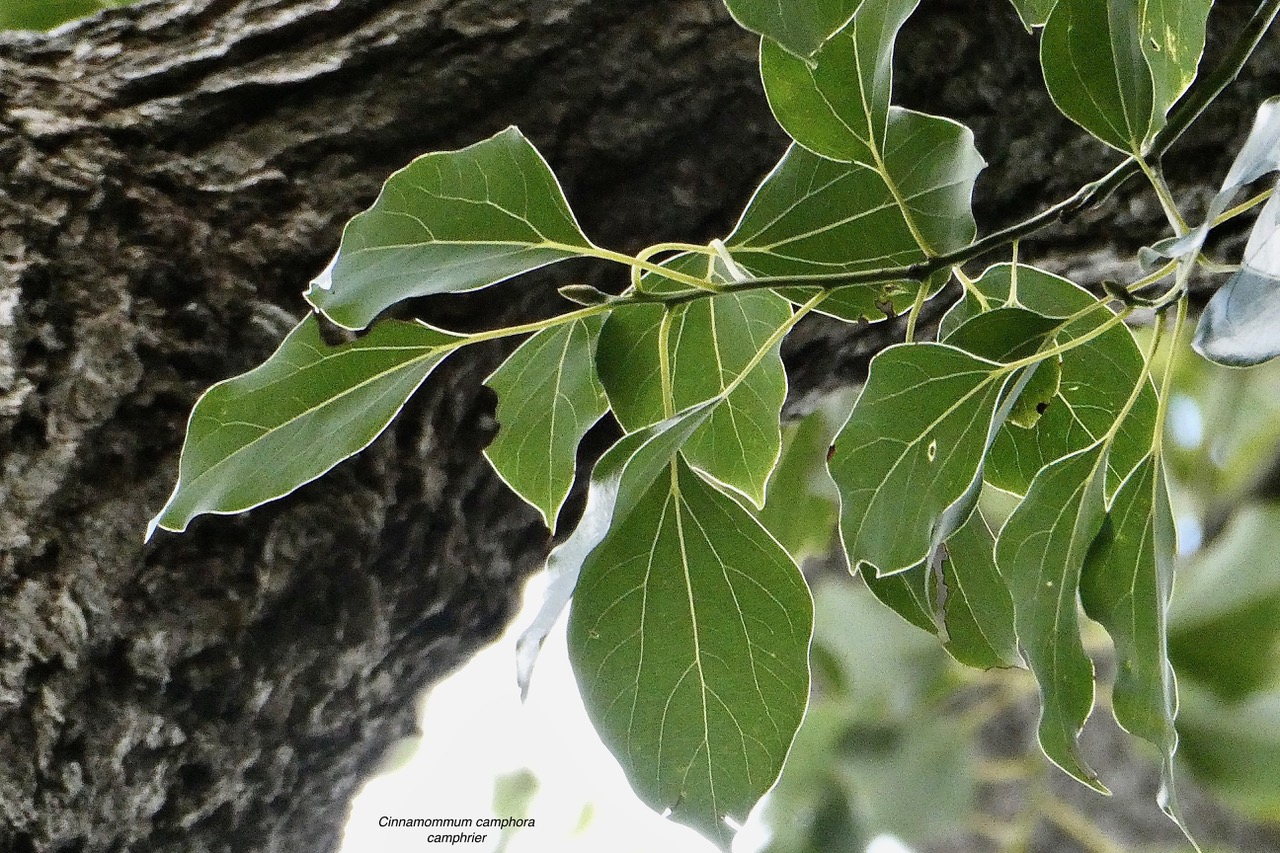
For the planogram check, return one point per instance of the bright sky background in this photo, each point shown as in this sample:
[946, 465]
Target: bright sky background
[475, 729]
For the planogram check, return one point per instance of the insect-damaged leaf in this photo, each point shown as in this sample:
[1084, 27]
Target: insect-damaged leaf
[1095, 380]
[260, 435]
[710, 342]
[449, 222]
[1126, 584]
[912, 448]
[800, 26]
[689, 637]
[814, 216]
[1040, 552]
[548, 397]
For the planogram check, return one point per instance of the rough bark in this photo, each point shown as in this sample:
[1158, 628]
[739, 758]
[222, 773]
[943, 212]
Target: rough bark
[172, 175]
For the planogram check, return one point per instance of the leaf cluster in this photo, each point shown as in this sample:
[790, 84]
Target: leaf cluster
[690, 622]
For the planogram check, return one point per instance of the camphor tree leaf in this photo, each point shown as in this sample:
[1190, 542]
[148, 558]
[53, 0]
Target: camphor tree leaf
[910, 594]
[912, 448]
[1096, 71]
[803, 509]
[710, 341]
[1034, 13]
[814, 216]
[689, 637]
[449, 222]
[800, 26]
[1040, 553]
[1126, 584]
[1173, 33]
[620, 477]
[1095, 380]
[548, 397]
[1241, 324]
[837, 104]
[978, 609]
[258, 436]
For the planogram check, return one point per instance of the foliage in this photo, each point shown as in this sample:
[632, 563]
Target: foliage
[690, 621]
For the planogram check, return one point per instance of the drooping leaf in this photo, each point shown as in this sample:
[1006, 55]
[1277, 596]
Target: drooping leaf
[1172, 41]
[1095, 381]
[1125, 586]
[548, 397]
[449, 222]
[909, 593]
[689, 637]
[978, 608]
[800, 26]
[814, 216]
[1241, 324]
[620, 477]
[1094, 67]
[912, 448]
[260, 435]
[710, 342]
[1040, 553]
[837, 104]
[1034, 13]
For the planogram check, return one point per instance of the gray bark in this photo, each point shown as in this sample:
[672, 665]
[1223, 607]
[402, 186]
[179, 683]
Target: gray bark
[173, 173]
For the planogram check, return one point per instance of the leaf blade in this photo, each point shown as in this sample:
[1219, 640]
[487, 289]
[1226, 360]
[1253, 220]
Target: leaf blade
[1126, 586]
[689, 637]
[308, 404]
[548, 397]
[1040, 552]
[800, 27]
[450, 222]
[911, 449]
[1096, 72]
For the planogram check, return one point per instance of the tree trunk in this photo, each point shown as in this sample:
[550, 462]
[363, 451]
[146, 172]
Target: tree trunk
[173, 174]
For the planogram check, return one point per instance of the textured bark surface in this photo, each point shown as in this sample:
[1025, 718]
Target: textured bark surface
[173, 173]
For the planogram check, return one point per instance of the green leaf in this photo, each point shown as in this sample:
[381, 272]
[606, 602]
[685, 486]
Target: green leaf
[813, 216]
[1040, 552]
[449, 222]
[802, 509]
[978, 608]
[548, 397]
[908, 593]
[837, 104]
[1096, 72]
[618, 481]
[1095, 381]
[911, 449]
[689, 637]
[1034, 13]
[710, 342]
[260, 435]
[1125, 586]
[801, 26]
[1173, 33]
